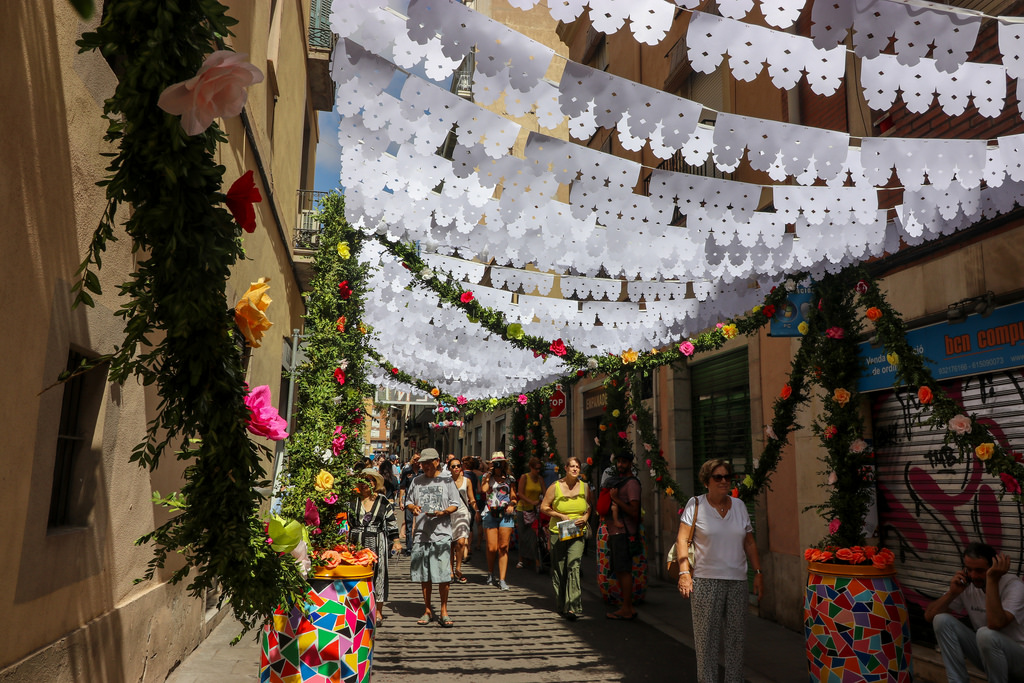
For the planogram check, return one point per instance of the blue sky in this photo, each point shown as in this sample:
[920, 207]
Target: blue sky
[328, 153]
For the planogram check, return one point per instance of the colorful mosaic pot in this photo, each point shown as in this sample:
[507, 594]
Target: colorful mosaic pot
[333, 643]
[606, 578]
[855, 625]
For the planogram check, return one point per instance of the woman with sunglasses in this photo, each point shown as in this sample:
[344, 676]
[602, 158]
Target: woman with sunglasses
[723, 542]
[461, 518]
[530, 491]
[567, 500]
[498, 520]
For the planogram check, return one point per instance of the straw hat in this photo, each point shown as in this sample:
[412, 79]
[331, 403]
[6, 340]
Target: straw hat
[378, 480]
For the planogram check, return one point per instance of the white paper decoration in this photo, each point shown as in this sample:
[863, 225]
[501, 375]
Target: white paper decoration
[883, 75]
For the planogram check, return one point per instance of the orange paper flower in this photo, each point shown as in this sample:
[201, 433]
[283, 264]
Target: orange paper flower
[435, 392]
[873, 314]
[250, 312]
[786, 392]
[984, 451]
[924, 395]
[341, 324]
[841, 396]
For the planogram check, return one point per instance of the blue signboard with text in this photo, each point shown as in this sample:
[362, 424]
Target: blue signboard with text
[977, 345]
[787, 318]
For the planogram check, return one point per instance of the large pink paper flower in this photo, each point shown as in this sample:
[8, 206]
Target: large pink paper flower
[311, 516]
[961, 424]
[522, 399]
[264, 419]
[217, 90]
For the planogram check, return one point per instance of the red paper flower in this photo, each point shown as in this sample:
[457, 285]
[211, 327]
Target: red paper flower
[862, 287]
[240, 198]
[769, 311]
[394, 371]
[344, 289]
[786, 392]
[622, 435]
[580, 373]
[1011, 484]
[466, 297]
[558, 348]
[339, 375]
[341, 324]
[590, 461]
[831, 431]
[924, 395]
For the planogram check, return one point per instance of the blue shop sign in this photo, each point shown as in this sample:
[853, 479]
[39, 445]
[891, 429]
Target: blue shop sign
[790, 314]
[974, 346]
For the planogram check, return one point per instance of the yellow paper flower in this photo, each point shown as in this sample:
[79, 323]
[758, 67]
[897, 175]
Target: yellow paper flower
[343, 250]
[748, 481]
[324, 481]
[669, 491]
[841, 396]
[362, 328]
[756, 309]
[616, 413]
[985, 451]
[435, 392]
[250, 313]
[730, 331]
[802, 328]
[630, 356]
[893, 358]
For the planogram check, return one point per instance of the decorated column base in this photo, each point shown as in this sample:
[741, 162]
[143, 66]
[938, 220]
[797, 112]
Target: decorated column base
[333, 643]
[606, 581]
[855, 625]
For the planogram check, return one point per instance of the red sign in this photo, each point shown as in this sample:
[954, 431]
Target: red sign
[412, 443]
[557, 403]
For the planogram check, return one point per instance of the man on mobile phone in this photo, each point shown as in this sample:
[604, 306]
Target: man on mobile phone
[994, 602]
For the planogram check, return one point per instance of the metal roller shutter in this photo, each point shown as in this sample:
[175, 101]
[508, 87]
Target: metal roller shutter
[930, 504]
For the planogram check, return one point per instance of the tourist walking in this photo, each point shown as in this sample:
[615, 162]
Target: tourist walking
[498, 519]
[462, 517]
[723, 542]
[409, 472]
[476, 469]
[622, 522]
[432, 499]
[372, 524]
[529, 491]
[566, 501]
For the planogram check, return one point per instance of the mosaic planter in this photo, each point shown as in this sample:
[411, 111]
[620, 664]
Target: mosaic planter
[855, 625]
[334, 642]
[606, 578]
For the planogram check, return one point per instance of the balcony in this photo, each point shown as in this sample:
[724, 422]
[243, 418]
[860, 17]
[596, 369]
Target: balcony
[307, 236]
[318, 57]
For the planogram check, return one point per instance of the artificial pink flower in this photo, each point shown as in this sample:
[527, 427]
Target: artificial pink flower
[558, 347]
[264, 420]
[522, 399]
[834, 525]
[466, 297]
[461, 400]
[647, 447]
[633, 417]
[961, 424]
[240, 198]
[217, 90]
[339, 375]
[835, 333]
[686, 348]
[622, 435]
[338, 444]
[331, 499]
[312, 515]
[648, 462]
[1011, 484]
[858, 446]
[861, 287]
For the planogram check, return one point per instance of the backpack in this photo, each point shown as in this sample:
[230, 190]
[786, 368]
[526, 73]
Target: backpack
[604, 502]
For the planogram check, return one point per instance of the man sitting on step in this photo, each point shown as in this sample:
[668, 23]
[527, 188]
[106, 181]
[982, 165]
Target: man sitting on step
[994, 602]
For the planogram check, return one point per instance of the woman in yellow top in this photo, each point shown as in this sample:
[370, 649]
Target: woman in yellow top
[566, 500]
[529, 492]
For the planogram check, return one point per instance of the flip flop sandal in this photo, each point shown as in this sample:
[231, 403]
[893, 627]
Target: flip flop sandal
[446, 622]
[461, 579]
[425, 619]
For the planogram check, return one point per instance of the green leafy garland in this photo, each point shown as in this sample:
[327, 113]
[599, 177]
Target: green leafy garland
[332, 385]
[179, 335]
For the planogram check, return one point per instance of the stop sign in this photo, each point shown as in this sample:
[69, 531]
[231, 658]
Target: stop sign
[557, 403]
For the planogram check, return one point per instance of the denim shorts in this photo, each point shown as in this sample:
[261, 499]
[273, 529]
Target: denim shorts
[505, 521]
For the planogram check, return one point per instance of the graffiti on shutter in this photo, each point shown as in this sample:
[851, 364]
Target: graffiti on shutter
[932, 503]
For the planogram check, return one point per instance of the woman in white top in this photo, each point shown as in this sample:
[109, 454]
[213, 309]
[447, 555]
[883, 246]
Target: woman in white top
[723, 541]
[461, 518]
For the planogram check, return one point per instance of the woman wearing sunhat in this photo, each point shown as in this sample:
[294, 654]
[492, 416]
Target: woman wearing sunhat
[372, 524]
[498, 517]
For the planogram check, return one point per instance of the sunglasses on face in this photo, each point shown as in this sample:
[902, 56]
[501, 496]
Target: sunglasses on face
[721, 477]
[454, 466]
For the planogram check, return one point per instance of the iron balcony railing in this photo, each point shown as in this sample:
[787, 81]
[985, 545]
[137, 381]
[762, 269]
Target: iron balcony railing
[307, 228]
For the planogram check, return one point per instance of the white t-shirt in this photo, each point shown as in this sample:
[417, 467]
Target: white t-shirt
[718, 541]
[1011, 594]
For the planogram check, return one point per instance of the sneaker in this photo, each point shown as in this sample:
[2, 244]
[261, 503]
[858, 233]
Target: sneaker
[502, 585]
[489, 581]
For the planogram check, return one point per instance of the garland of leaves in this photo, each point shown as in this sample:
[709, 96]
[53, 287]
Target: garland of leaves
[332, 385]
[178, 335]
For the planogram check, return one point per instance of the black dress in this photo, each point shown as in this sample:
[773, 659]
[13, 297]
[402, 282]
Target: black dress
[376, 530]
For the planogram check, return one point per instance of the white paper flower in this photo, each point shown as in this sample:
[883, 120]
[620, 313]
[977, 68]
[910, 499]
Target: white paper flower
[427, 274]
[592, 364]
